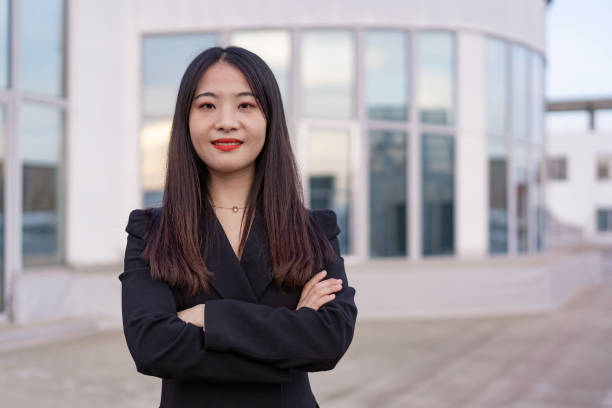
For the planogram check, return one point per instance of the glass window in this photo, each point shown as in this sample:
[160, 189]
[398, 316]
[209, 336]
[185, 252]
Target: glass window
[164, 61]
[154, 139]
[438, 164]
[498, 197]
[2, 223]
[42, 46]
[604, 167]
[329, 164]
[520, 90]
[556, 168]
[537, 155]
[42, 160]
[497, 86]
[436, 78]
[386, 75]
[274, 47]
[538, 102]
[521, 179]
[4, 44]
[604, 220]
[327, 74]
[387, 193]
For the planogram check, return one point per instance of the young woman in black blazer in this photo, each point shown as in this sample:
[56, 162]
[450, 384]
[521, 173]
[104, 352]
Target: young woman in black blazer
[232, 290]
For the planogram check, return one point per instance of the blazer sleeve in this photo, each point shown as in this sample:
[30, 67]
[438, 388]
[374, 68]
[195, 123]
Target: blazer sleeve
[303, 339]
[163, 345]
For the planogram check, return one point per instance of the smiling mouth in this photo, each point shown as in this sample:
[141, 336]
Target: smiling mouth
[227, 144]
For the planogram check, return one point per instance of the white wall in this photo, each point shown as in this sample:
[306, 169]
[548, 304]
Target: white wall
[103, 149]
[519, 20]
[574, 201]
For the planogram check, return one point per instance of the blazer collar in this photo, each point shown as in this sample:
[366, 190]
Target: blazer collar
[245, 279]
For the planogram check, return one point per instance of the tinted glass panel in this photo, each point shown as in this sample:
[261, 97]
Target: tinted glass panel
[437, 158]
[387, 193]
[41, 157]
[386, 75]
[329, 164]
[436, 78]
[521, 179]
[520, 90]
[4, 43]
[498, 197]
[154, 138]
[42, 46]
[327, 74]
[164, 61]
[274, 47]
[497, 86]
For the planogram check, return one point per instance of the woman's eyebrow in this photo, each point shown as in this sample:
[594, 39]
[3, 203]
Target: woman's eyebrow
[211, 94]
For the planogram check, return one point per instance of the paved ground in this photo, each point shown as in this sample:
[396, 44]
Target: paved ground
[561, 360]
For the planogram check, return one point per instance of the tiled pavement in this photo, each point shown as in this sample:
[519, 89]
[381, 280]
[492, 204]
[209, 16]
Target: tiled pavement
[562, 360]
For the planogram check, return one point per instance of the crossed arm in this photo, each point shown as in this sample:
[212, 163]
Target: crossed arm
[243, 342]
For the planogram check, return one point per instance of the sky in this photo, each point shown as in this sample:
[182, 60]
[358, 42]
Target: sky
[579, 36]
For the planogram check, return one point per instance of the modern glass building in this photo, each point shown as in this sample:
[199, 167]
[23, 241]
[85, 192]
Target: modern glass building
[419, 123]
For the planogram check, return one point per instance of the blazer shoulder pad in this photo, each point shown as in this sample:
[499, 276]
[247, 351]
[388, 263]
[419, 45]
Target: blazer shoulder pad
[327, 220]
[140, 220]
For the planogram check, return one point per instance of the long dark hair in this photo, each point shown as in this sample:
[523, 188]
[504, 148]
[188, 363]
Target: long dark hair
[298, 248]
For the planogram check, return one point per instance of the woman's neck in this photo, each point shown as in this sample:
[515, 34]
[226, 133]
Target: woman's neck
[230, 189]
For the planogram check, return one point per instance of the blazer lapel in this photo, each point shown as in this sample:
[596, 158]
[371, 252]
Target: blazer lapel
[255, 260]
[229, 279]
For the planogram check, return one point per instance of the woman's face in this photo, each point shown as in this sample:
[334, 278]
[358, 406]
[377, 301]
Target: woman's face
[227, 126]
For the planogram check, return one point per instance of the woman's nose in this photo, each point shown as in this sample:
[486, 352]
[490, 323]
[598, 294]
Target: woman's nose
[226, 120]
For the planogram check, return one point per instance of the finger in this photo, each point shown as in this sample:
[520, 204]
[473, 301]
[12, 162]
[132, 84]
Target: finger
[313, 281]
[324, 299]
[328, 286]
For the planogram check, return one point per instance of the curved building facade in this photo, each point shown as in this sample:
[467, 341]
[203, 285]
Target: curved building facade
[419, 123]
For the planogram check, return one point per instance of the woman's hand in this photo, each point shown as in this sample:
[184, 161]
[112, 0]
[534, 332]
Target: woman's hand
[317, 292]
[193, 315]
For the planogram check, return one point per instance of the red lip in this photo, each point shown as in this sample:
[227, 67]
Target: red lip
[227, 147]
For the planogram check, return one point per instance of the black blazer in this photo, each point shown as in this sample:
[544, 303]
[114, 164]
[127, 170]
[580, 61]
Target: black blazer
[256, 349]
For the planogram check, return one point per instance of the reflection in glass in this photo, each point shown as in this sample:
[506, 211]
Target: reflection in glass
[521, 178]
[436, 78]
[329, 164]
[154, 138]
[42, 46]
[497, 87]
[327, 77]
[387, 193]
[4, 46]
[538, 195]
[437, 159]
[274, 47]
[386, 75]
[498, 197]
[520, 90]
[2, 223]
[537, 95]
[41, 156]
[164, 61]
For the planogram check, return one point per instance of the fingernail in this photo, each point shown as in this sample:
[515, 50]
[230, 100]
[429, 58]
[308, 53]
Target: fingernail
[324, 272]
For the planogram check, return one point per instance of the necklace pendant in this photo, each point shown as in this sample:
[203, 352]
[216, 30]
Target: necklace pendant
[235, 208]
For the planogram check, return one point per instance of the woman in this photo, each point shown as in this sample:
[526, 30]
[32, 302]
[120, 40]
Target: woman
[232, 291]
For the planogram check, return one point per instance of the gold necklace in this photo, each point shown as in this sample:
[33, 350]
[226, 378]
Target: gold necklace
[234, 208]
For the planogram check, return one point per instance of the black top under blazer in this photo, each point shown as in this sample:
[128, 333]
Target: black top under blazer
[256, 349]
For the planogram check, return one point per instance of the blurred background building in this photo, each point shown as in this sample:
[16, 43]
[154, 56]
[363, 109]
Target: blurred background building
[420, 123]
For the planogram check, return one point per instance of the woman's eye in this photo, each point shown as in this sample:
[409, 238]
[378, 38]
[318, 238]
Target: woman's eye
[207, 106]
[246, 105]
